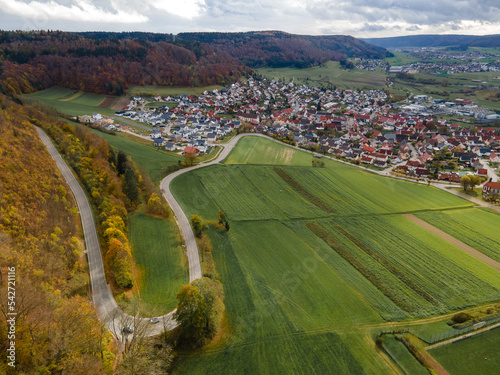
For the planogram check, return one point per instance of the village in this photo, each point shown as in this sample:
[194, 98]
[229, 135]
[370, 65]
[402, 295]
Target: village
[365, 128]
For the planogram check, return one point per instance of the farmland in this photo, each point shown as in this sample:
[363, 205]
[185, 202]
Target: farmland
[168, 90]
[310, 246]
[252, 150]
[475, 355]
[160, 258]
[71, 102]
[329, 73]
[403, 357]
[465, 226]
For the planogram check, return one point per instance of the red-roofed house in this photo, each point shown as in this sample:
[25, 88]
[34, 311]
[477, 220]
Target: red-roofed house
[495, 158]
[491, 189]
[191, 150]
[482, 172]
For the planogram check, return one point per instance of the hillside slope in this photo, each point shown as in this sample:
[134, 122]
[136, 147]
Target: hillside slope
[280, 49]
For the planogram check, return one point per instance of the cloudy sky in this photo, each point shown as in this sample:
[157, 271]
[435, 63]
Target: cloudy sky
[360, 18]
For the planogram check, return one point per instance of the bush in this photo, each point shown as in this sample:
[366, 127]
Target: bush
[461, 317]
[197, 224]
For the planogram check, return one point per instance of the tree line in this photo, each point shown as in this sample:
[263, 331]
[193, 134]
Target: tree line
[31, 61]
[57, 330]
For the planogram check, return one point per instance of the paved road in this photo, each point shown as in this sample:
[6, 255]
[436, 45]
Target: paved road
[491, 173]
[107, 309]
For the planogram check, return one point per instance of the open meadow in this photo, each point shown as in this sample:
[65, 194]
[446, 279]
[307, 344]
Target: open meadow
[315, 254]
[168, 90]
[73, 102]
[157, 249]
[329, 73]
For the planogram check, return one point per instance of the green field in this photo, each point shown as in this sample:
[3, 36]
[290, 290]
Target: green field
[401, 58]
[474, 355]
[403, 357]
[465, 226]
[168, 90]
[329, 73]
[153, 161]
[252, 150]
[314, 254]
[71, 102]
[160, 257]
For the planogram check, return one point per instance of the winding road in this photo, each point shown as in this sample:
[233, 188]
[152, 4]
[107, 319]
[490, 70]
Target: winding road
[108, 310]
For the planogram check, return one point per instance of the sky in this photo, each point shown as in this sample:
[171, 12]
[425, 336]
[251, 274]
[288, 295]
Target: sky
[359, 18]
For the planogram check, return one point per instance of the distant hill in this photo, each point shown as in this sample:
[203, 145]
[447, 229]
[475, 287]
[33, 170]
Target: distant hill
[31, 61]
[280, 49]
[107, 63]
[488, 41]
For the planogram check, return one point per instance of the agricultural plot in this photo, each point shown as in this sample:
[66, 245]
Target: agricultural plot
[243, 193]
[73, 103]
[160, 257]
[475, 355]
[315, 253]
[282, 302]
[403, 357]
[421, 274]
[476, 227]
[256, 150]
[329, 73]
[169, 90]
[350, 191]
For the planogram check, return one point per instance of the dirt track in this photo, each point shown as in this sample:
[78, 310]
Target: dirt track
[469, 250]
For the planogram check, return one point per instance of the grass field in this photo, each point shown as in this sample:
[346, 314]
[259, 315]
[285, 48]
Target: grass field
[403, 357]
[160, 257]
[151, 159]
[313, 253]
[328, 73]
[252, 150]
[465, 226]
[401, 58]
[172, 91]
[475, 355]
[71, 102]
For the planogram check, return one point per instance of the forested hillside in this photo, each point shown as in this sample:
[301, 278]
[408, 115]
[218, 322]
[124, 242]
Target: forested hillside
[33, 61]
[57, 330]
[279, 49]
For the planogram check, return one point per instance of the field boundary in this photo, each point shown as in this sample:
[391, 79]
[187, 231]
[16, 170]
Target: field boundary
[452, 240]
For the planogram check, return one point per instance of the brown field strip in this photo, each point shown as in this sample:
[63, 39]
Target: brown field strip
[106, 102]
[445, 236]
[122, 102]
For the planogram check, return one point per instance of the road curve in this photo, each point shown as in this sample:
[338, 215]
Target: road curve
[183, 222]
[107, 309]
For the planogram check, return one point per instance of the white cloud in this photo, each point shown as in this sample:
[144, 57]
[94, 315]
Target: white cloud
[182, 8]
[361, 18]
[77, 11]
